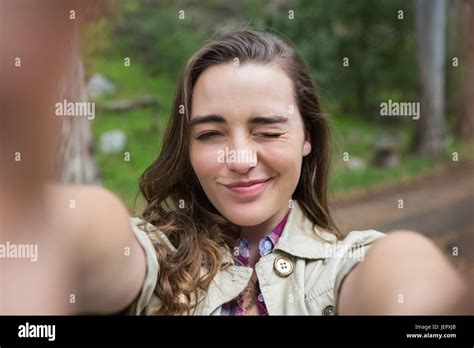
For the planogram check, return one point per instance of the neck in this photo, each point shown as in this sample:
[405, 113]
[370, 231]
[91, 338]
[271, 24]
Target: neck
[255, 233]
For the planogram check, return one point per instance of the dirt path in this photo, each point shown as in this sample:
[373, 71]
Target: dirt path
[440, 206]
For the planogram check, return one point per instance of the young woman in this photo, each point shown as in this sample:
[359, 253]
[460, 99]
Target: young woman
[227, 234]
[237, 220]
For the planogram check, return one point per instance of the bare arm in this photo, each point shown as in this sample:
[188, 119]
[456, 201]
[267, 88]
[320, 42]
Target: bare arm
[403, 273]
[87, 259]
[111, 260]
[83, 264]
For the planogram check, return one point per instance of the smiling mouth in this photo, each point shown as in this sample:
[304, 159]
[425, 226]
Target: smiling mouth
[250, 188]
[247, 183]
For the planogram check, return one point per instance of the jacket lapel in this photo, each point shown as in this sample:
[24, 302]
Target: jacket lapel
[226, 285]
[300, 239]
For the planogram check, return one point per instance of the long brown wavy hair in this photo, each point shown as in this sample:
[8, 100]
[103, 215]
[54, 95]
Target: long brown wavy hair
[177, 204]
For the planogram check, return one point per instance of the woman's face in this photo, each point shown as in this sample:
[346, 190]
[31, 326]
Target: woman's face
[245, 127]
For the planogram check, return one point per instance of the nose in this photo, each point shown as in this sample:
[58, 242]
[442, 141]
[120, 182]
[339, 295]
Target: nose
[240, 156]
[243, 162]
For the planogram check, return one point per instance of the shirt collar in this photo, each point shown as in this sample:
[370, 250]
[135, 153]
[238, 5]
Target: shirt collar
[277, 231]
[265, 245]
[298, 237]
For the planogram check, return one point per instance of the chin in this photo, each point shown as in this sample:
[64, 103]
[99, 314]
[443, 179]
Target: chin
[246, 220]
[246, 214]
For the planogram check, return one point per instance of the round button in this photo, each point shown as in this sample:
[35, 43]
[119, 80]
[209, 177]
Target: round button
[283, 266]
[328, 310]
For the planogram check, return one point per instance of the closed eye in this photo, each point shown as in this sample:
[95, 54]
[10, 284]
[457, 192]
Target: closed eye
[207, 135]
[271, 135]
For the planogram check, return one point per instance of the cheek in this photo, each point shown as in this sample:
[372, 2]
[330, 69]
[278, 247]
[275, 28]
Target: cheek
[285, 159]
[204, 161]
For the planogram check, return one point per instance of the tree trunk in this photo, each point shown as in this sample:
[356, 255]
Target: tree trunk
[430, 29]
[76, 163]
[467, 121]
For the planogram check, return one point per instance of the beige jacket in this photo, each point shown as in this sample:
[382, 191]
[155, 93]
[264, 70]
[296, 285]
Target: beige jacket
[301, 276]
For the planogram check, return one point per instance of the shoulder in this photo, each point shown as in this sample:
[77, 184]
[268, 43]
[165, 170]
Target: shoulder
[325, 273]
[89, 208]
[149, 232]
[347, 252]
[361, 238]
[344, 255]
[148, 236]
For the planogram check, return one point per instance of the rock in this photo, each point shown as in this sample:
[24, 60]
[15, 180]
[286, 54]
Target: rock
[98, 85]
[112, 141]
[386, 151]
[356, 163]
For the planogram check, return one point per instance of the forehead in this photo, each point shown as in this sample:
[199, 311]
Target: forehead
[226, 89]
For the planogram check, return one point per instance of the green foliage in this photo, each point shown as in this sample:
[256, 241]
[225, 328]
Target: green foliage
[380, 48]
[379, 45]
[143, 130]
[143, 127]
[382, 66]
[357, 137]
[159, 36]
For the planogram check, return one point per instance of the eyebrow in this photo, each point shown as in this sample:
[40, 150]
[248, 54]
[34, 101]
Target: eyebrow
[207, 119]
[273, 119]
[213, 118]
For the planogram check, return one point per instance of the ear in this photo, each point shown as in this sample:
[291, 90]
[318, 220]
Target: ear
[306, 148]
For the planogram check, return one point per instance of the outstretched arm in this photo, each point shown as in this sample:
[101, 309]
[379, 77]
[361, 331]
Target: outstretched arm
[403, 273]
[87, 259]
[112, 261]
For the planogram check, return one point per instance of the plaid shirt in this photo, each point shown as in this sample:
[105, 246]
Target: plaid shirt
[241, 258]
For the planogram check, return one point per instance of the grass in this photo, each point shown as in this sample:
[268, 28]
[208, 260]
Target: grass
[144, 129]
[356, 136]
[143, 132]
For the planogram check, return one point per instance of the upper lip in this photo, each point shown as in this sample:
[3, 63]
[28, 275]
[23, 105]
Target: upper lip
[246, 183]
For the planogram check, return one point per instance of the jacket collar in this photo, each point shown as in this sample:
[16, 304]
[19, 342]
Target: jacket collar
[300, 239]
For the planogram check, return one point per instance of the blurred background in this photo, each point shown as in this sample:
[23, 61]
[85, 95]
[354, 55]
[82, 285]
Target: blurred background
[389, 172]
